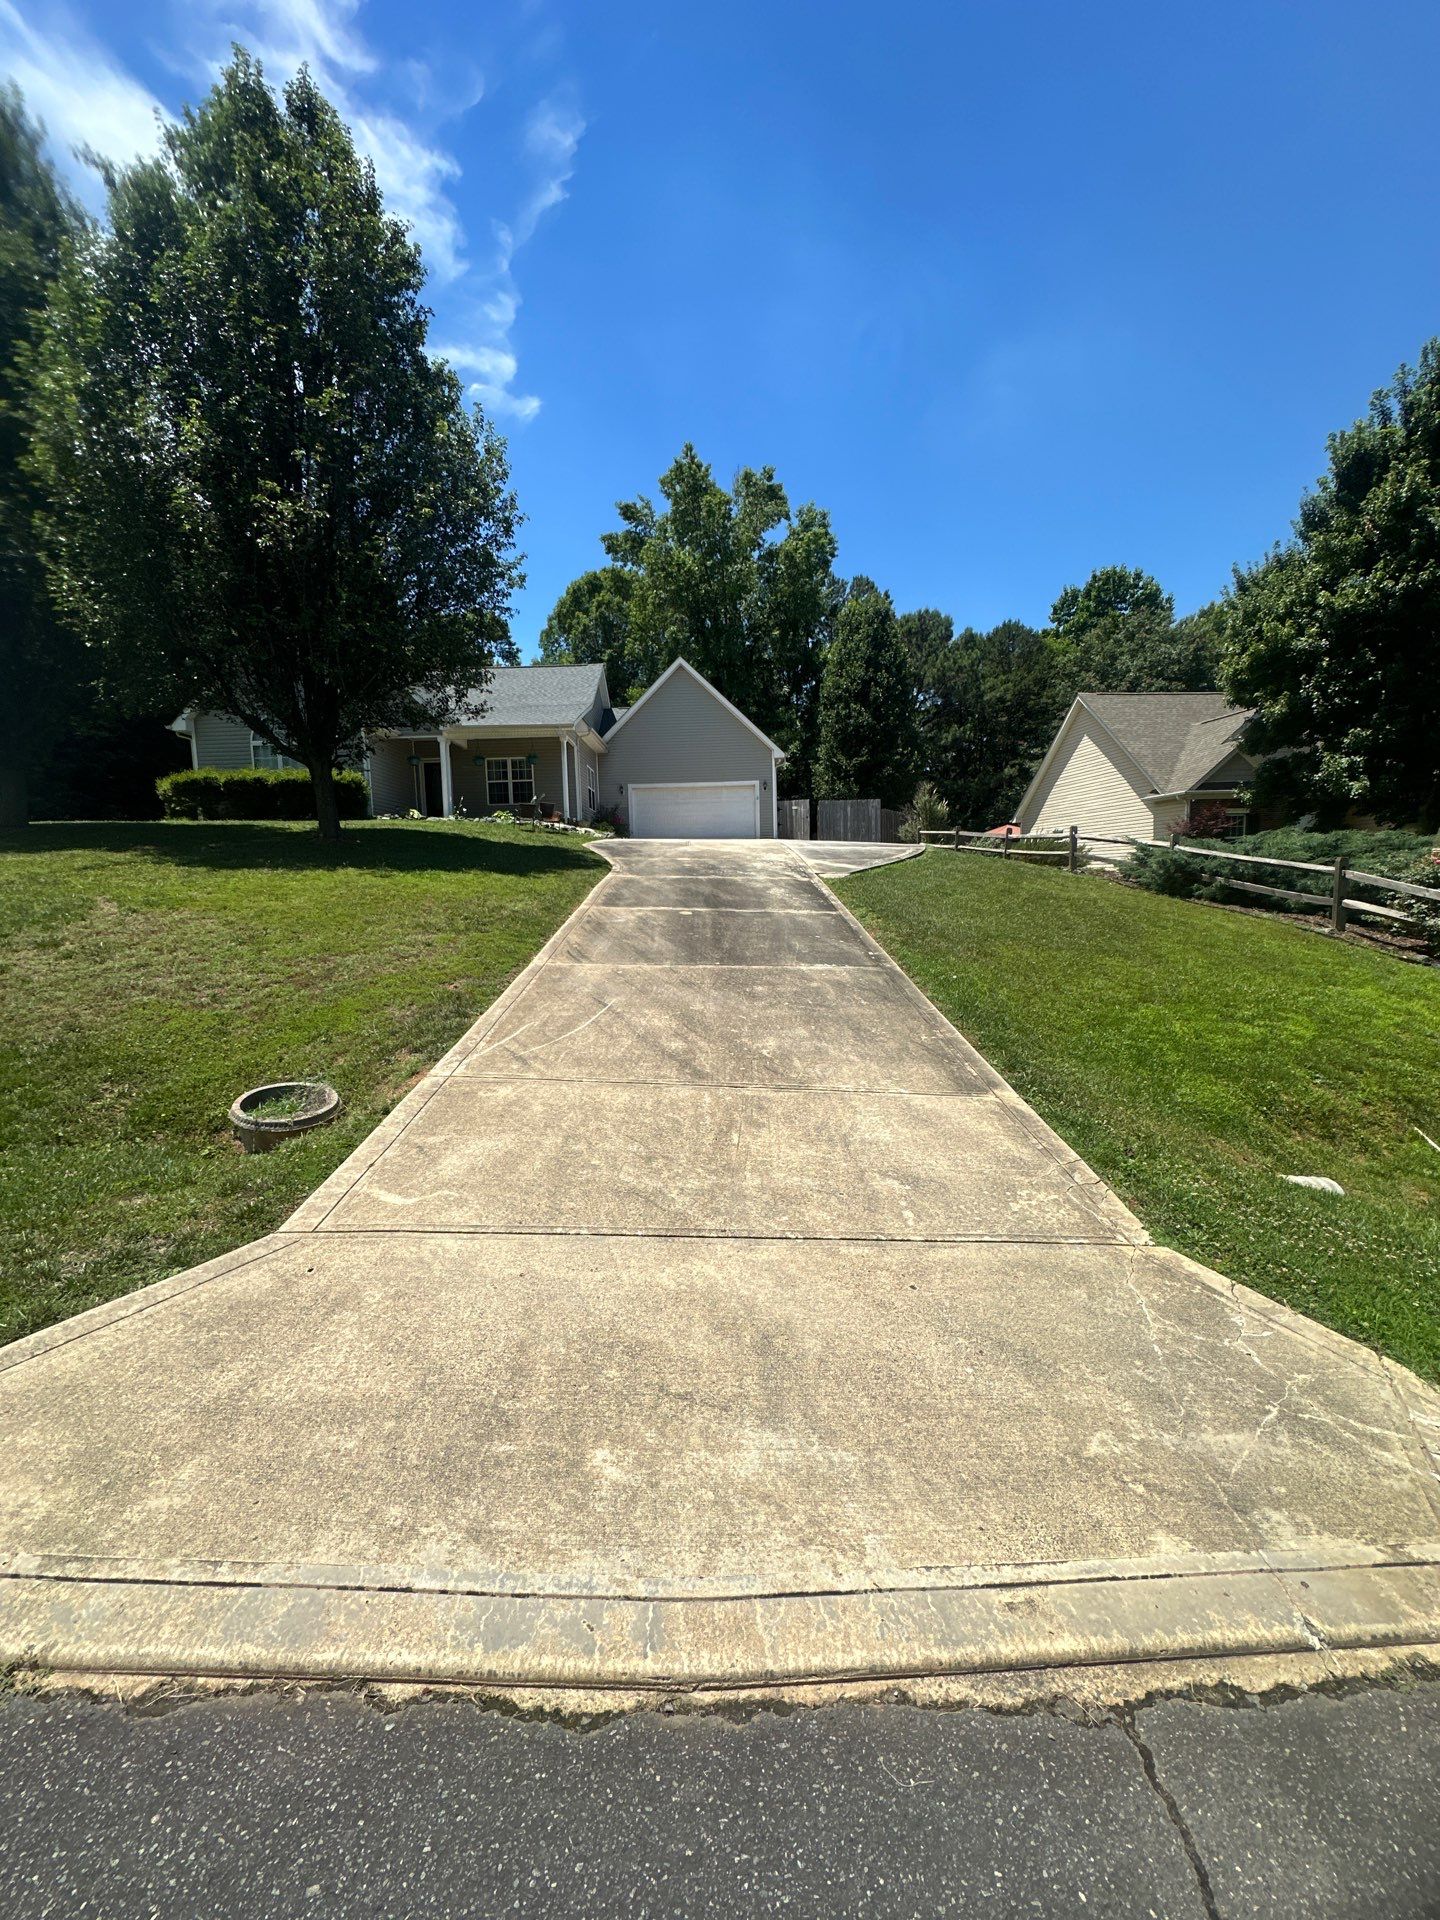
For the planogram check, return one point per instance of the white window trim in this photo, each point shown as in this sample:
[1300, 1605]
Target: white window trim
[282, 761]
[509, 761]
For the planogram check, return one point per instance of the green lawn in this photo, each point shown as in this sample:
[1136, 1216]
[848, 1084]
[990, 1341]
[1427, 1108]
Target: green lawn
[149, 973]
[1193, 1056]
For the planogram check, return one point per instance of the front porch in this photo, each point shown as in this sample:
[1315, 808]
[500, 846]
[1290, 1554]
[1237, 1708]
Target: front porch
[475, 771]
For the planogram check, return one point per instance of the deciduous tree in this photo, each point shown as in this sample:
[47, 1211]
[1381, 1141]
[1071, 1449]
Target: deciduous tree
[1118, 634]
[590, 625]
[275, 504]
[42, 667]
[1334, 639]
[733, 579]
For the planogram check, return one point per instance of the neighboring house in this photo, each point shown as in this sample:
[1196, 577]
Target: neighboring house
[1131, 765]
[682, 762]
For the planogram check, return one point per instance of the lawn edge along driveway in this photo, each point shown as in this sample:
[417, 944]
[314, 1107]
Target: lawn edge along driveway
[1195, 1056]
[151, 971]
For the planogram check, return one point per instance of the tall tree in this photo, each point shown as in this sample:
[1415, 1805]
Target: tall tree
[589, 625]
[928, 639]
[1118, 634]
[1111, 593]
[42, 666]
[867, 740]
[275, 504]
[987, 705]
[1335, 638]
[733, 579]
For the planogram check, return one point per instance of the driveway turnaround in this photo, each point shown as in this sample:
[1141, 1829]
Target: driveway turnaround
[712, 1314]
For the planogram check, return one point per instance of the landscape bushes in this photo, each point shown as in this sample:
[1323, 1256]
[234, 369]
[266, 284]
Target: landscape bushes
[254, 793]
[1401, 856]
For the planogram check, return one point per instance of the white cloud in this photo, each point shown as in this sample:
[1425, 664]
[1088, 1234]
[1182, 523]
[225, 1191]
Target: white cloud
[502, 404]
[552, 138]
[294, 33]
[411, 173]
[85, 98]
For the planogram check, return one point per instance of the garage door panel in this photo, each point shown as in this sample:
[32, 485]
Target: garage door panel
[695, 810]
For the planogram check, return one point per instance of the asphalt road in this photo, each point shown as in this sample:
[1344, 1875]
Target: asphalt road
[327, 1805]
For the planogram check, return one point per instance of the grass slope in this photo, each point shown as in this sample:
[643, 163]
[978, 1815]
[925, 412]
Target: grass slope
[1193, 1056]
[149, 973]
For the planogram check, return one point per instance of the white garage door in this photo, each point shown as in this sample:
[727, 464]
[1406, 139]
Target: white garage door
[696, 810]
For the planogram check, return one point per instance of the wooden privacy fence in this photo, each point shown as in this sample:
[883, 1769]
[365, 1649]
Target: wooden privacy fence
[1336, 898]
[855, 820]
[792, 819]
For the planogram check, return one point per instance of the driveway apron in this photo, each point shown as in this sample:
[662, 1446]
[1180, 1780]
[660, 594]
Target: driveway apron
[711, 1314]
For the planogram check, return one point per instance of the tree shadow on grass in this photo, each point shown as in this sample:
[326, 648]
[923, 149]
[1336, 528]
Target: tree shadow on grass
[370, 846]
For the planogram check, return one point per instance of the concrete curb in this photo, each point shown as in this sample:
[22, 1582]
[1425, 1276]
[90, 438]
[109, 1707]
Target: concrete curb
[523, 1641]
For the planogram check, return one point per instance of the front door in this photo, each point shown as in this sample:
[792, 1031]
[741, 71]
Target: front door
[434, 798]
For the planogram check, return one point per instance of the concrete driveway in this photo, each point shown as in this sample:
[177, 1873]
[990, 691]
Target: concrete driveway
[711, 1314]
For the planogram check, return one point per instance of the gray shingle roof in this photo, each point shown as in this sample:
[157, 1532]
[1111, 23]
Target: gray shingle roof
[536, 696]
[1177, 738]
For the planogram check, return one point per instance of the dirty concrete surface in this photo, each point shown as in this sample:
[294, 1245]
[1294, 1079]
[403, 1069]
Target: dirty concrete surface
[711, 1312]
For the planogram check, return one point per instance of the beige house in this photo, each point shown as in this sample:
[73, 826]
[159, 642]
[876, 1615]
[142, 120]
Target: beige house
[1131, 766]
[682, 762]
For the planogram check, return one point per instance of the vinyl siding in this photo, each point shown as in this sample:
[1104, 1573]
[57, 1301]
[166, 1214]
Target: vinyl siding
[220, 742]
[580, 760]
[392, 778]
[1237, 771]
[683, 733]
[469, 780]
[1088, 786]
[589, 763]
[1166, 816]
[228, 743]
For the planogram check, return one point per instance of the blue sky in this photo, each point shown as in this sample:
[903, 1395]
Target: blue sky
[1015, 290]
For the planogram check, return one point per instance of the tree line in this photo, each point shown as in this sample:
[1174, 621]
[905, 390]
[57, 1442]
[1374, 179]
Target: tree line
[233, 477]
[863, 700]
[1332, 638]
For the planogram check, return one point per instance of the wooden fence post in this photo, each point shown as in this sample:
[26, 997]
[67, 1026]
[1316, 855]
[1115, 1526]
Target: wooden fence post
[957, 839]
[1337, 894]
[1074, 848]
[1005, 845]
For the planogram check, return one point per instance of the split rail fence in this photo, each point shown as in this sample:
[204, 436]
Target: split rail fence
[1337, 899]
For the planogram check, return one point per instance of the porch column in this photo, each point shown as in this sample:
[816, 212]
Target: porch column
[564, 776]
[447, 787]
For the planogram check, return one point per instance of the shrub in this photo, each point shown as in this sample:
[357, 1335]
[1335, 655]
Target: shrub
[1423, 872]
[254, 793]
[926, 812]
[1206, 820]
[610, 820]
[1159, 870]
[1401, 856]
